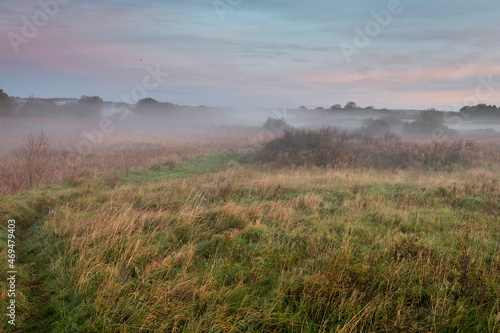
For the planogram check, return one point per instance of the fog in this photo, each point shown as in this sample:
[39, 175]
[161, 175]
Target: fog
[188, 121]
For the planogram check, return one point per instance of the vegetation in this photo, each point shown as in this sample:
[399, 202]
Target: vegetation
[89, 107]
[37, 107]
[481, 110]
[335, 148]
[208, 244]
[317, 231]
[147, 103]
[428, 122]
[36, 148]
[120, 151]
[276, 125]
[152, 106]
[351, 105]
[376, 127]
[7, 104]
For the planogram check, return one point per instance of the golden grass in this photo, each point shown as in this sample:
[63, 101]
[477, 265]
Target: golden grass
[257, 248]
[156, 257]
[120, 151]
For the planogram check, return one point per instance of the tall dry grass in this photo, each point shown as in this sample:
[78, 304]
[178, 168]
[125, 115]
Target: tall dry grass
[119, 151]
[307, 249]
[251, 248]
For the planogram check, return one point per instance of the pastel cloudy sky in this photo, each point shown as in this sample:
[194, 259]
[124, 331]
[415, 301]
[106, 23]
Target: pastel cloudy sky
[262, 53]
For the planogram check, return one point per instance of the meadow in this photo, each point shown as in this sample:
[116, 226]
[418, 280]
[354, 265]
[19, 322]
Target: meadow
[241, 231]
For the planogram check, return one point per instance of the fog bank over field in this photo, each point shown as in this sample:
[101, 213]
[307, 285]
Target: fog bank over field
[348, 119]
[91, 118]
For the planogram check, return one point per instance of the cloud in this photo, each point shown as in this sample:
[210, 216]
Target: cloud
[279, 50]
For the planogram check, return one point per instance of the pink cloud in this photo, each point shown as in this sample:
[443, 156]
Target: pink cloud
[401, 78]
[427, 98]
[51, 51]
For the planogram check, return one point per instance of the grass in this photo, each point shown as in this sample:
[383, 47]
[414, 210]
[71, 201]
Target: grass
[118, 151]
[194, 166]
[212, 245]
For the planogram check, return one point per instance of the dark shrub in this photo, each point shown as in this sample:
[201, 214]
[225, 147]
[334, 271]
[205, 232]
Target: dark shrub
[332, 147]
[276, 125]
[376, 127]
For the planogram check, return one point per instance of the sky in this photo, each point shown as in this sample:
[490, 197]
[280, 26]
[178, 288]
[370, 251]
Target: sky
[255, 53]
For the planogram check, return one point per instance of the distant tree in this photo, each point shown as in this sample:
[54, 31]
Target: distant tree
[168, 105]
[319, 108]
[152, 106]
[429, 118]
[95, 100]
[482, 110]
[376, 127]
[302, 108]
[371, 107]
[7, 104]
[335, 107]
[147, 103]
[89, 106]
[276, 125]
[351, 105]
[38, 107]
[427, 121]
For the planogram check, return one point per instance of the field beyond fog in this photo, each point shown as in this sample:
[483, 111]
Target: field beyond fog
[225, 229]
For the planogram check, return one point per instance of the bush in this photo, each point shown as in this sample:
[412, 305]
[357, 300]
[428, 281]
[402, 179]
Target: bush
[36, 148]
[376, 127]
[276, 125]
[302, 147]
[332, 147]
[427, 122]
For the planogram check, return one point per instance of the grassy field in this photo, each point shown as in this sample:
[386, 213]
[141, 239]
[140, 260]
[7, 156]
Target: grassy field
[210, 244]
[72, 155]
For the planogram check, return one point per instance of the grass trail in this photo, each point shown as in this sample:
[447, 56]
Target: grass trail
[34, 310]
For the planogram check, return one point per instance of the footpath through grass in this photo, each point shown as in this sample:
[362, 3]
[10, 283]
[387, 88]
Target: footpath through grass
[213, 245]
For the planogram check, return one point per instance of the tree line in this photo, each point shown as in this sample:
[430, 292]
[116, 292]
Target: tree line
[91, 106]
[84, 107]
